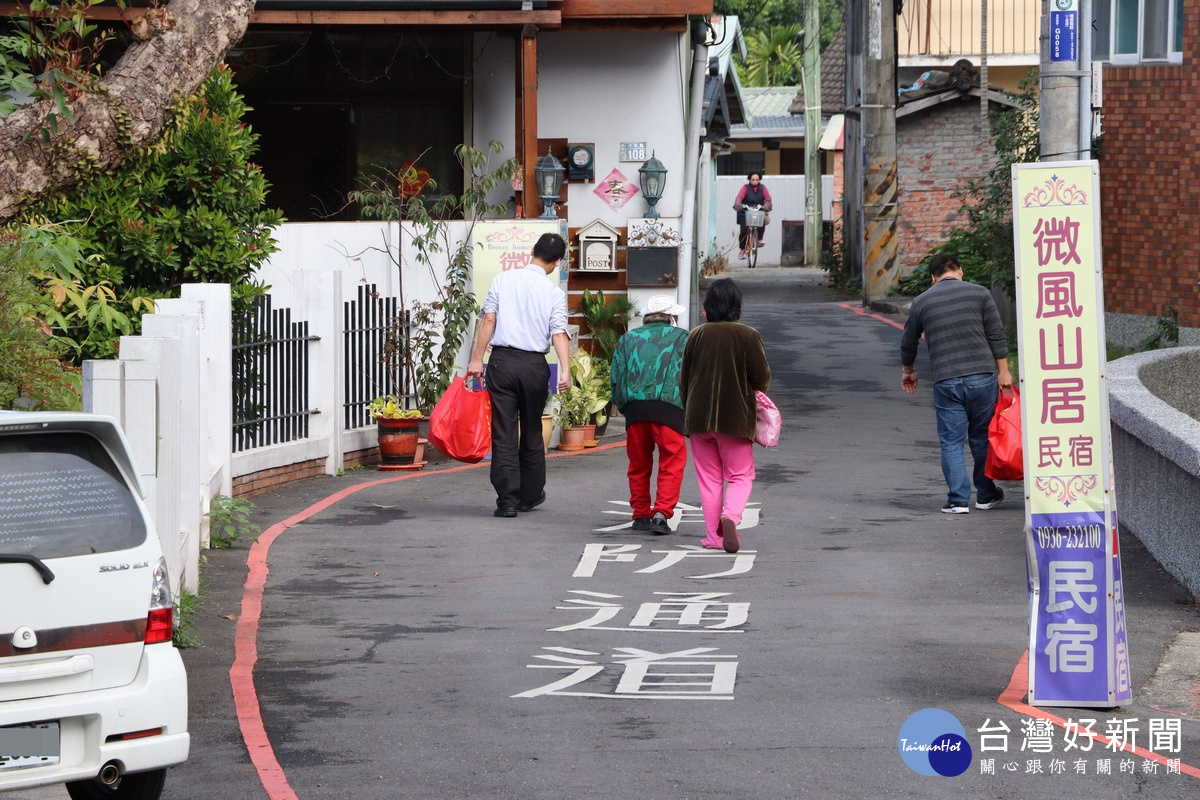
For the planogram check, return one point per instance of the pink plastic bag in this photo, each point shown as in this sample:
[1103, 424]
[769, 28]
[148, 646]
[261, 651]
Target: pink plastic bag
[768, 422]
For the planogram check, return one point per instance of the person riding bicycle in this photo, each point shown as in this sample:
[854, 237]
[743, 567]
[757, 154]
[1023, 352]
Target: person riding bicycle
[752, 194]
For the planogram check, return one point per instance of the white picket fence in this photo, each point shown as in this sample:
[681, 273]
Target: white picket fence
[171, 389]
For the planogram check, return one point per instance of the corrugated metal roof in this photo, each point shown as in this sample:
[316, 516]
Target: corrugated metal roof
[769, 101]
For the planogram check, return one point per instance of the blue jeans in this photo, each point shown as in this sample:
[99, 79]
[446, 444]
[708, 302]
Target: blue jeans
[964, 409]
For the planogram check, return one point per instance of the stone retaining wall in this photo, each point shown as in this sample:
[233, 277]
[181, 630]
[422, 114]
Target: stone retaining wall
[1153, 407]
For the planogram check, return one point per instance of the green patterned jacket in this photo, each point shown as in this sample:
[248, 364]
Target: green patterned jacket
[646, 364]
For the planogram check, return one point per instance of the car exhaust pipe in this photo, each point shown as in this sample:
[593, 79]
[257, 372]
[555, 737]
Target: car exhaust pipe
[110, 774]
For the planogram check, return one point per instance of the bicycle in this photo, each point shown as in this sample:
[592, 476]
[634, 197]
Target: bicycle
[755, 219]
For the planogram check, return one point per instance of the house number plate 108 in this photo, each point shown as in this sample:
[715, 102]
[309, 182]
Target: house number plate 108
[634, 151]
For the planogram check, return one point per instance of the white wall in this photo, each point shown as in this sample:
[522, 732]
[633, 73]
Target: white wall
[787, 202]
[613, 87]
[601, 88]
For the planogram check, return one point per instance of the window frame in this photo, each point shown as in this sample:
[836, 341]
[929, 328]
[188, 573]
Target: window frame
[1174, 19]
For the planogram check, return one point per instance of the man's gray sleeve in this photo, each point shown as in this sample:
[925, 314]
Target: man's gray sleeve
[911, 338]
[994, 328]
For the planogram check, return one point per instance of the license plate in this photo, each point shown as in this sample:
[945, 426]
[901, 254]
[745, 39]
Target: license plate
[29, 745]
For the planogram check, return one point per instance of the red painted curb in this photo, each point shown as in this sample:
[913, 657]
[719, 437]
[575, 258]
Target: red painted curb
[1013, 697]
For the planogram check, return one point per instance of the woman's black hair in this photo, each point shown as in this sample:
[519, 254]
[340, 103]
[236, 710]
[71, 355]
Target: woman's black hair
[752, 173]
[723, 301]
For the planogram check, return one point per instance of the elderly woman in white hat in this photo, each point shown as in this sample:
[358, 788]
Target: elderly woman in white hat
[645, 387]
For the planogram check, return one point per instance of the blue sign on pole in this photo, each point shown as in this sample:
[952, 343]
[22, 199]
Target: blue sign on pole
[1064, 35]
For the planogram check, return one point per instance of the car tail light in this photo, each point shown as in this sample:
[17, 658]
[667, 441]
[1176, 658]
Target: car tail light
[159, 622]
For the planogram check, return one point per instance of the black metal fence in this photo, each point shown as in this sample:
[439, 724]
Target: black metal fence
[375, 333]
[270, 377]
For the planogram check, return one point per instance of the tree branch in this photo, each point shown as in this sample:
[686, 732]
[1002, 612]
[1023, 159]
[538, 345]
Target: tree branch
[128, 110]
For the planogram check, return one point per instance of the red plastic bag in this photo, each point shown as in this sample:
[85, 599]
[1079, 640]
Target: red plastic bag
[1005, 459]
[460, 425]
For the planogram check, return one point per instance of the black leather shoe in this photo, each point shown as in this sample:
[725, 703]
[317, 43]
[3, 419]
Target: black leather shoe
[530, 506]
[504, 512]
[659, 526]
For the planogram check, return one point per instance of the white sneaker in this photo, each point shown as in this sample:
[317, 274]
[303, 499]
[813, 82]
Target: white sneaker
[956, 508]
[995, 501]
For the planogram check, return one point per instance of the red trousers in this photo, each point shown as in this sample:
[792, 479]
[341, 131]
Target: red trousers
[640, 440]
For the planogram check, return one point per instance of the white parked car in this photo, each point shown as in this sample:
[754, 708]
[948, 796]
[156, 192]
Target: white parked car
[92, 692]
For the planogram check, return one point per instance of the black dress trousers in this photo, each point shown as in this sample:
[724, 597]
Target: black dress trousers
[519, 384]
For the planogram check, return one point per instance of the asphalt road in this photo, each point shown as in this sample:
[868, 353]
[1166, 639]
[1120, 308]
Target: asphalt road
[413, 646]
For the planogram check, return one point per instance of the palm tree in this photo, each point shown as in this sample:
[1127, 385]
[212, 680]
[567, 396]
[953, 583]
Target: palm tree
[773, 57]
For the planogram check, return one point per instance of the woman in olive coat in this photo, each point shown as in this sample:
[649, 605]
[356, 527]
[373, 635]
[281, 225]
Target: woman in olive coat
[723, 365]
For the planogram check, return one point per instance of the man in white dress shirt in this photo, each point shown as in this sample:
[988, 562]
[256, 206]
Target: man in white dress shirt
[524, 314]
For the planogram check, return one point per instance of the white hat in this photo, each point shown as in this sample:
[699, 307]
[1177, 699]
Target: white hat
[662, 304]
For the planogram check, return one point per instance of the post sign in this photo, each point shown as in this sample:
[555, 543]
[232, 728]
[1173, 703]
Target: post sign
[1064, 30]
[1078, 650]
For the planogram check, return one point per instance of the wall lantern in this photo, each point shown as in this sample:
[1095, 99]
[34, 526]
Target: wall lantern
[549, 176]
[653, 177]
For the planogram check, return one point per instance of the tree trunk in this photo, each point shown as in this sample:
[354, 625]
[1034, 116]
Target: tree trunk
[129, 108]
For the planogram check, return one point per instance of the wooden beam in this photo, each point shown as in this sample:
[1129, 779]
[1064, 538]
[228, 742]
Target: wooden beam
[628, 25]
[473, 19]
[574, 9]
[493, 19]
[527, 130]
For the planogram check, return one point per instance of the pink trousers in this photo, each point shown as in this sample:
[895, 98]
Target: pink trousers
[725, 475]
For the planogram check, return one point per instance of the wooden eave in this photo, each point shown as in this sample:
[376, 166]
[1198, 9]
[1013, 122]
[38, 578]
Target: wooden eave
[570, 14]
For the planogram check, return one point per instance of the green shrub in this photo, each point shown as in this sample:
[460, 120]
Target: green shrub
[34, 369]
[189, 209]
[229, 520]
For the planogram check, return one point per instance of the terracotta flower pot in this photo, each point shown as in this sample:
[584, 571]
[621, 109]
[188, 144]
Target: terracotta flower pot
[572, 438]
[398, 442]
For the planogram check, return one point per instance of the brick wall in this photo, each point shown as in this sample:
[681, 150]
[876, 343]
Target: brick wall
[257, 483]
[1149, 195]
[937, 151]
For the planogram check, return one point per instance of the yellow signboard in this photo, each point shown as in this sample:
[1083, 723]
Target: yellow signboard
[1078, 646]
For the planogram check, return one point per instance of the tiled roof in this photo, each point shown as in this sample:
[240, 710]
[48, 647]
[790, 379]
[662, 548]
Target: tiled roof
[833, 79]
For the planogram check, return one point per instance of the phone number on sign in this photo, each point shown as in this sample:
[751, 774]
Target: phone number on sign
[1071, 536]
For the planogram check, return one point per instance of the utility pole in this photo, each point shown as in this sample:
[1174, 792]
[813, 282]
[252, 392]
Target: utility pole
[1060, 78]
[813, 205]
[876, 106]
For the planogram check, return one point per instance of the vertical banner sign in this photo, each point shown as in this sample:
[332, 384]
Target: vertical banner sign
[1078, 650]
[501, 246]
[1064, 30]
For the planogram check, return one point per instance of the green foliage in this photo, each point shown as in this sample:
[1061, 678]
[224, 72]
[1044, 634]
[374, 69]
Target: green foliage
[187, 209]
[607, 317]
[773, 57]
[591, 376]
[229, 520]
[34, 373]
[51, 52]
[388, 406]
[187, 605]
[984, 246]
[757, 15]
[843, 276]
[571, 408]
[436, 329]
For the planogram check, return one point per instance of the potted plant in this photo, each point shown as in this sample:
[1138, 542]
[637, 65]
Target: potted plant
[571, 414]
[397, 429]
[607, 317]
[590, 375]
[424, 338]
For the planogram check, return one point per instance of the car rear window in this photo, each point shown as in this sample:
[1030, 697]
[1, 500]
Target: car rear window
[62, 495]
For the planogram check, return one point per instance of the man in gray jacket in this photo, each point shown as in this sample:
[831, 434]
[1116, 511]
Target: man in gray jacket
[968, 352]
